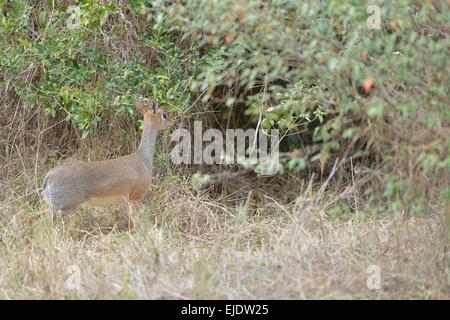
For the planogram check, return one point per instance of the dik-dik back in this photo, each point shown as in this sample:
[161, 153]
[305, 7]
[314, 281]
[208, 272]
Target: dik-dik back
[98, 183]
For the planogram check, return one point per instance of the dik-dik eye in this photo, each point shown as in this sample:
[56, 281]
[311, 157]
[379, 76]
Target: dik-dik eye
[165, 115]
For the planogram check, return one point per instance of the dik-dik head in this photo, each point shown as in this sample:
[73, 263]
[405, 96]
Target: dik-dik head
[157, 116]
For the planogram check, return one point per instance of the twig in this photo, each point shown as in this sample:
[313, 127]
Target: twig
[324, 186]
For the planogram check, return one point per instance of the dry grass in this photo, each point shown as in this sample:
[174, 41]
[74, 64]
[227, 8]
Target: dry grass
[189, 245]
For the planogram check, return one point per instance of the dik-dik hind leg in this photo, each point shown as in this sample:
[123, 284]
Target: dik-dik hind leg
[57, 213]
[57, 219]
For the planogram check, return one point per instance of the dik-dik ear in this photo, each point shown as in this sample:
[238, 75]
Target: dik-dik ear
[153, 104]
[139, 106]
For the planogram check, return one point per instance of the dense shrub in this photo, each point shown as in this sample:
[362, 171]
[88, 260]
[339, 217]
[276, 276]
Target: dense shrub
[381, 92]
[307, 67]
[88, 71]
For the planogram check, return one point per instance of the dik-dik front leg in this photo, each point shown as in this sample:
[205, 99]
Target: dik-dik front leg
[133, 208]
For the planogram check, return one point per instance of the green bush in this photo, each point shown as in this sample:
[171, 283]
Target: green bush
[71, 70]
[379, 95]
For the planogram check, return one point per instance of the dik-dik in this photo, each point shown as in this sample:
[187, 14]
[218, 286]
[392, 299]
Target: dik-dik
[100, 183]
